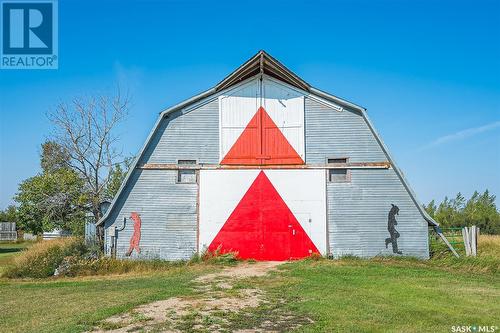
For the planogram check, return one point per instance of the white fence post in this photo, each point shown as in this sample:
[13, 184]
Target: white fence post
[465, 235]
[473, 243]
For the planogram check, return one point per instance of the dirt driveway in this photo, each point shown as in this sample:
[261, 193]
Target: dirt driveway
[219, 303]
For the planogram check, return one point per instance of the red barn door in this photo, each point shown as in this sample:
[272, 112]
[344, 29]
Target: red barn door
[261, 215]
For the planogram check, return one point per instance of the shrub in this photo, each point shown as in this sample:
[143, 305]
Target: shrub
[43, 258]
[219, 257]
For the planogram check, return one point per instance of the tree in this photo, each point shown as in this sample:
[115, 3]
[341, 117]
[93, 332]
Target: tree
[51, 200]
[54, 198]
[431, 208]
[9, 214]
[116, 179]
[479, 210]
[53, 157]
[85, 130]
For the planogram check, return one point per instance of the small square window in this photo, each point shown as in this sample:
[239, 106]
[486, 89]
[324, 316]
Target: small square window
[337, 160]
[338, 175]
[186, 175]
[184, 162]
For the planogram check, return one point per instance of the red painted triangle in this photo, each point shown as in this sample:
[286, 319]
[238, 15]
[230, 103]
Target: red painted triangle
[262, 227]
[262, 143]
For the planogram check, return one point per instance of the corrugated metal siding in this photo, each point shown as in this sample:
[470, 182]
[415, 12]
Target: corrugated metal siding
[358, 213]
[330, 133]
[168, 214]
[193, 135]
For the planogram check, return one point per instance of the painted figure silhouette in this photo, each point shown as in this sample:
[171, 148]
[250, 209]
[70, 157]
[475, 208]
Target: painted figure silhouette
[136, 237]
[391, 227]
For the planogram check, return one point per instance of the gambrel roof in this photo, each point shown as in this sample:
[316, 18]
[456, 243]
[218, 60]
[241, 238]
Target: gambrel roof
[263, 64]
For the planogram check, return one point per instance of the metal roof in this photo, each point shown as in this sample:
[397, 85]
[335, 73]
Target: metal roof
[262, 63]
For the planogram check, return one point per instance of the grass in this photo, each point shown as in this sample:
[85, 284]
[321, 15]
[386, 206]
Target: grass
[351, 295]
[7, 252]
[77, 304]
[368, 296]
[43, 258]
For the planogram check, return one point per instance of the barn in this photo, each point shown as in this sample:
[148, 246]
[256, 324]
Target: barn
[270, 167]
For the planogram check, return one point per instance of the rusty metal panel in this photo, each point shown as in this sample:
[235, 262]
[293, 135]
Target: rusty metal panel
[331, 133]
[359, 213]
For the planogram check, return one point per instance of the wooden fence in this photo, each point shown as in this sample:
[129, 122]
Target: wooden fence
[8, 231]
[470, 236]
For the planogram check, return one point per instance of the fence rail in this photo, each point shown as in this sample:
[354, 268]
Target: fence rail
[8, 231]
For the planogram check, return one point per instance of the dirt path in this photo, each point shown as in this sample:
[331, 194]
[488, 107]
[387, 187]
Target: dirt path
[221, 299]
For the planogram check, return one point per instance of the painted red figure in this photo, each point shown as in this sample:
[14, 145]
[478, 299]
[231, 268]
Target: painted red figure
[136, 237]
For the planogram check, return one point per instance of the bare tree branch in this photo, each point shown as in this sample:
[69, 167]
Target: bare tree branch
[85, 129]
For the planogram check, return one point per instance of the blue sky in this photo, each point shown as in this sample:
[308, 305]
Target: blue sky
[427, 71]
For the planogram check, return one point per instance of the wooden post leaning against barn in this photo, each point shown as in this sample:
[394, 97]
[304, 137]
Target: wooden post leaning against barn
[440, 233]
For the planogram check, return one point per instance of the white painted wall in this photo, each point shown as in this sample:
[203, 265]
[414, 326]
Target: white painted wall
[285, 106]
[236, 110]
[304, 191]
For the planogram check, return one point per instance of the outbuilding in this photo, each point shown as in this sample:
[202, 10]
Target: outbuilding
[270, 167]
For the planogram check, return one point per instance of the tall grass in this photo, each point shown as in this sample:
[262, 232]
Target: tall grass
[110, 266]
[44, 257]
[489, 245]
[71, 257]
[487, 260]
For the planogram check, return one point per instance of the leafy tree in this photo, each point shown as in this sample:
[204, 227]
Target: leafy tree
[116, 178]
[53, 156]
[54, 198]
[431, 208]
[479, 210]
[9, 214]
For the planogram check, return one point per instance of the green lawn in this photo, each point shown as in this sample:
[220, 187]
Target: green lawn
[7, 252]
[380, 295]
[74, 305]
[366, 296]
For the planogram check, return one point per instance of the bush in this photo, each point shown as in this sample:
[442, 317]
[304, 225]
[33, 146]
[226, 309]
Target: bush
[43, 258]
[219, 257]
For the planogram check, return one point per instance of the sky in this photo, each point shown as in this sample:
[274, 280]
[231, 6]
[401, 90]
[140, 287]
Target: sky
[428, 73]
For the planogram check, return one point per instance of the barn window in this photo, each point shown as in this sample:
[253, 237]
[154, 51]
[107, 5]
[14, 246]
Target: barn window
[338, 175]
[186, 175]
